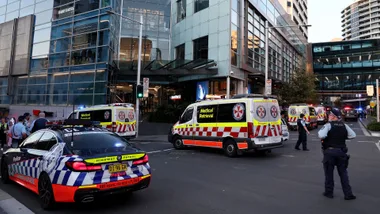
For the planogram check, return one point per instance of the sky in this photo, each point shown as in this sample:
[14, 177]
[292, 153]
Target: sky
[325, 18]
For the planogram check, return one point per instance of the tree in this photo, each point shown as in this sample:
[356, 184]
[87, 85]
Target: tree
[300, 89]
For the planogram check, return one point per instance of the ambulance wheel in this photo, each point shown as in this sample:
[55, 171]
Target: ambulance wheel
[230, 148]
[4, 172]
[178, 143]
[45, 192]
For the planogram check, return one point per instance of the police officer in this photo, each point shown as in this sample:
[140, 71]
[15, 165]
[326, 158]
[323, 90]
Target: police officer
[334, 135]
[39, 123]
[18, 132]
[3, 132]
[302, 130]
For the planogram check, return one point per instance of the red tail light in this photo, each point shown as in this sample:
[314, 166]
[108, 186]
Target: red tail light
[144, 160]
[250, 130]
[113, 126]
[81, 166]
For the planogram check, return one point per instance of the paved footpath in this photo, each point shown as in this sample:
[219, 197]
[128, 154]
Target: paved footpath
[10, 205]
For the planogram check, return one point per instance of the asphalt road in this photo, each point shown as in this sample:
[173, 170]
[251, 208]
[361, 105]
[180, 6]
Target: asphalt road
[205, 181]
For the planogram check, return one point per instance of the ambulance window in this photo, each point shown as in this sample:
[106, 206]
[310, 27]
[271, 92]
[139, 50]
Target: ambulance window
[312, 111]
[206, 114]
[187, 116]
[97, 115]
[73, 115]
[233, 112]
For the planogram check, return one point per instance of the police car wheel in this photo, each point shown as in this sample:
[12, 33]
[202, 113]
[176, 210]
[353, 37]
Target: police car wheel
[4, 172]
[230, 148]
[178, 143]
[45, 191]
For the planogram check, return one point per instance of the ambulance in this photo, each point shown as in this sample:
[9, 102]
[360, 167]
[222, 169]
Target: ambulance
[294, 112]
[321, 114]
[245, 122]
[116, 117]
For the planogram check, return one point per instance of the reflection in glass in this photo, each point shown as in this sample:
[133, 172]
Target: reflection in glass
[40, 49]
[81, 88]
[13, 6]
[82, 6]
[83, 56]
[41, 35]
[60, 59]
[103, 54]
[60, 45]
[61, 31]
[27, 11]
[25, 3]
[86, 25]
[11, 16]
[48, 4]
[82, 76]
[44, 17]
[104, 37]
[84, 40]
[63, 12]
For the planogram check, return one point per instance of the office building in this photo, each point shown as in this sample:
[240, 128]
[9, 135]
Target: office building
[361, 20]
[232, 35]
[345, 68]
[297, 9]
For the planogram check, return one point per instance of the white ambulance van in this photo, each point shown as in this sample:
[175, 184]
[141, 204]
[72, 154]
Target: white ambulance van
[116, 117]
[245, 122]
[321, 114]
[294, 112]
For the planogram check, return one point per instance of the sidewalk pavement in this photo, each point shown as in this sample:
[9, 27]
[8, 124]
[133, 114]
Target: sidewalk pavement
[151, 138]
[365, 122]
[9, 205]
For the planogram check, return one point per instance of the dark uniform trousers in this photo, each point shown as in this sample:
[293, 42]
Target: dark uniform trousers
[336, 157]
[302, 137]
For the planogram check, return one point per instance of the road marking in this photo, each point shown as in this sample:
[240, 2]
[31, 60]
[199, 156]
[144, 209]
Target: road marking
[365, 142]
[288, 156]
[158, 151]
[378, 145]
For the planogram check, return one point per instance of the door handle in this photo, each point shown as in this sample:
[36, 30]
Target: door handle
[197, 125]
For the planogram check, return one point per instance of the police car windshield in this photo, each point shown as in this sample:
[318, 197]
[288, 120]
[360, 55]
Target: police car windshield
[89, 143]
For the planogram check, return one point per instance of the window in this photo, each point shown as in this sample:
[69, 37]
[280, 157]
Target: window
[83, 56]
[200, 5]
[63, 12]
[84, 40]
[231, 112]
[97, 115]
[88, 143]
[207, 114]
[187, 116]
[200, 48]
[82, 6]
[31, 140]
[312, 111]
[181, 10]
[47, 141]
[180, 51]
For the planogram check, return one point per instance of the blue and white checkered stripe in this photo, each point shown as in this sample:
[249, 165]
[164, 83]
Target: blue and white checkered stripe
[28, 168]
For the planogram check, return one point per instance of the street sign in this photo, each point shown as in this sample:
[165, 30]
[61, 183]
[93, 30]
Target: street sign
[268, 87]
[372, 103]
[146, 87]
[370, 90]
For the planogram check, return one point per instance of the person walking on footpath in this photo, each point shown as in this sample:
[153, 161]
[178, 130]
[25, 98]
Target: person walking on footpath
[302, 134]
[3, 132]
[333, 135]
[18, 132]
[39, 123]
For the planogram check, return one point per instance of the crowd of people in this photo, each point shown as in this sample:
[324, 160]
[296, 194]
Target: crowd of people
[13, 132]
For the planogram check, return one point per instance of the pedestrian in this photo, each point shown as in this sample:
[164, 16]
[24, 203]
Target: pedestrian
[18, 132]
[284, 119]
[39, 123]
[11, 123]
[302, 134]
[334, 135]
[3, 132]
[27, 123]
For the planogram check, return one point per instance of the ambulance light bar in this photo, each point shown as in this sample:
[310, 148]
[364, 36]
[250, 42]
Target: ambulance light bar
[238, 96]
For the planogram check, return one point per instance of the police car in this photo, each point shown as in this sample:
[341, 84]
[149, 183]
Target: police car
[76, 163]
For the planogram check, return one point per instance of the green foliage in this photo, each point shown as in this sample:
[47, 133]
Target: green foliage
[373, 126]
[300, 89]
[167, 113]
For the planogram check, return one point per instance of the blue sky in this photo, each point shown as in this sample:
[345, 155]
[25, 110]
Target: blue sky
[325, 18]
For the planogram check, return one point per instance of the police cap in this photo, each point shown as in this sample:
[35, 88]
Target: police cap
[336, 112]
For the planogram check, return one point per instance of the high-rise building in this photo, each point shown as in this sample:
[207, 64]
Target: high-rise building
[361, 20]
[297, 9]
[231, 33]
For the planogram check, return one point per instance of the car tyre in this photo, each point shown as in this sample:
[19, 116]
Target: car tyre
[4, 172]
[45, 192]
[230, 148]
[178, 143]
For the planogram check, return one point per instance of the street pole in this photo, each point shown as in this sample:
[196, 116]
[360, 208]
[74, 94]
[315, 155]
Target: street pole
[228, 87]
[266, 56]
[138, 78]
[377, 100]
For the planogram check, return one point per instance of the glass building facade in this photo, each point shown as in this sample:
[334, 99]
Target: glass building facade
[74, 44]
[346, 68]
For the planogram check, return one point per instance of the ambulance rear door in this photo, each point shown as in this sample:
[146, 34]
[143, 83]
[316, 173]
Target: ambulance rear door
[274, 119]
[293, 115]
[125, 119]
[261, 122]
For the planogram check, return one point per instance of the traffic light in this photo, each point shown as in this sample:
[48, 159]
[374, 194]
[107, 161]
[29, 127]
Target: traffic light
[140, 91]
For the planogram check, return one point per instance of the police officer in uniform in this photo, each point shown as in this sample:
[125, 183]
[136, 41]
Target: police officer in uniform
[302, 130]
[334, 135]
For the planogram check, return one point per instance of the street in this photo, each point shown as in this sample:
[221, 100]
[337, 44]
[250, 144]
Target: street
[205, 181]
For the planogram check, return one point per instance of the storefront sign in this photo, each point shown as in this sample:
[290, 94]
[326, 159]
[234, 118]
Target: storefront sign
[370, 90]
[175, 97]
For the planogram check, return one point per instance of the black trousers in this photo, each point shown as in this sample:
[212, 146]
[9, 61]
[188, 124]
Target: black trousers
[339, 158]
[3, 139]
[302, 138]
